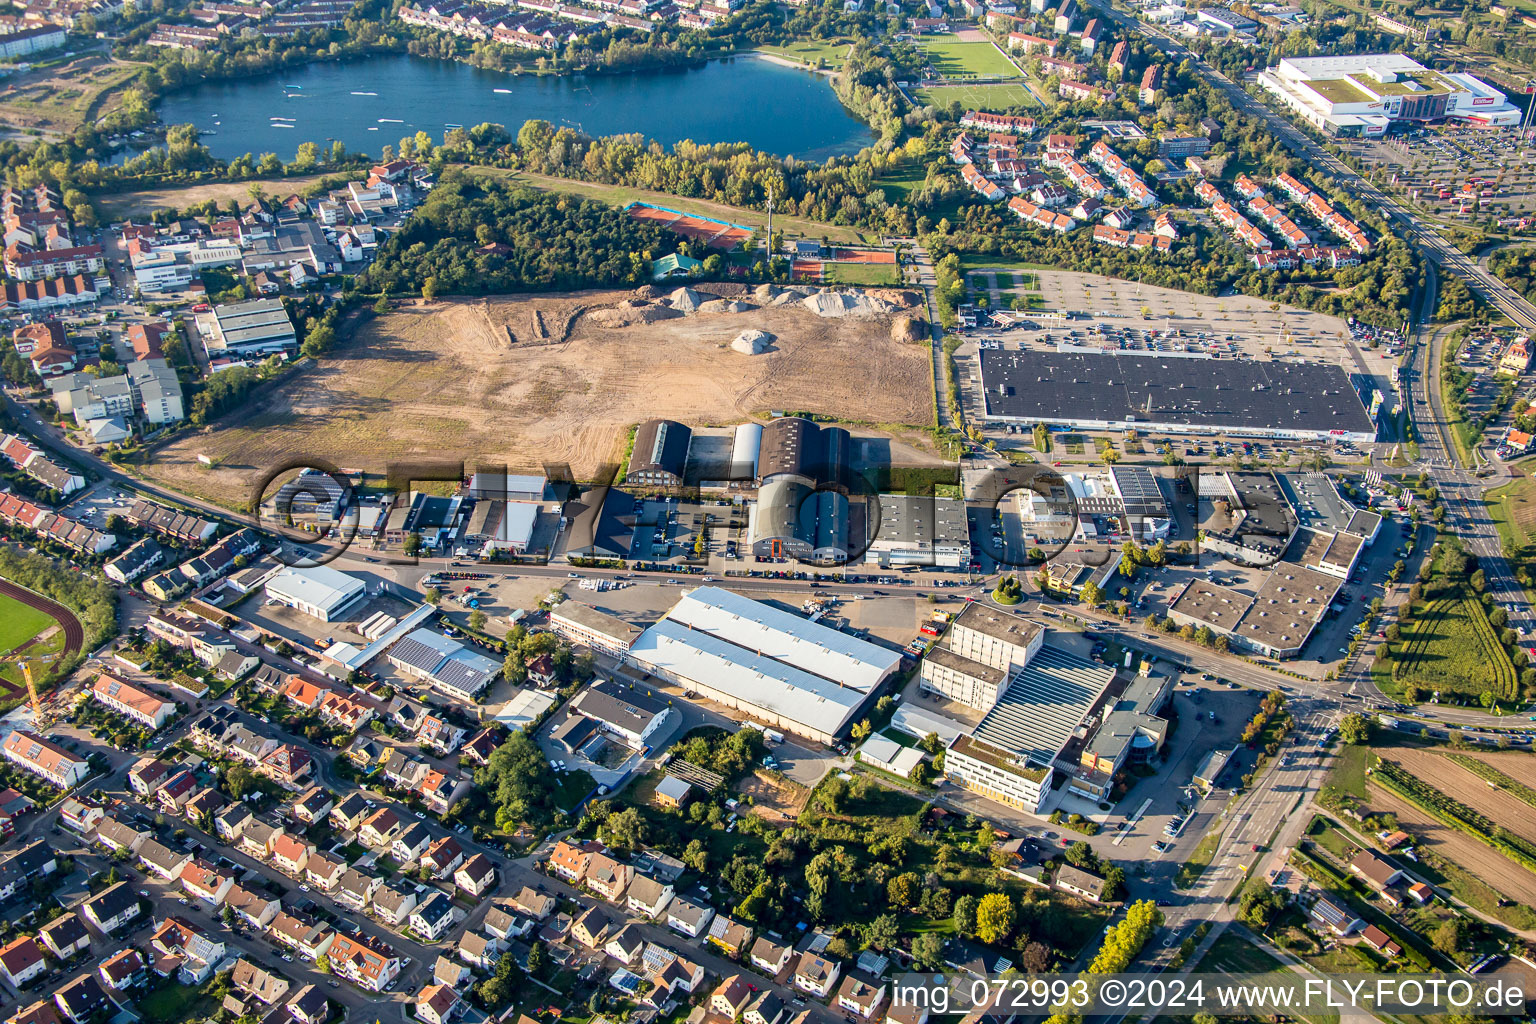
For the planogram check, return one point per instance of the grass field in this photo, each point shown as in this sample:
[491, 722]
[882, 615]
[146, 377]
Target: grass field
[869, 274]
[1452, 647]
[1513, 509]
[65, 97]
[998, 96]
[18, 625]
[1199, 860]
[953, 58]
[830, 53]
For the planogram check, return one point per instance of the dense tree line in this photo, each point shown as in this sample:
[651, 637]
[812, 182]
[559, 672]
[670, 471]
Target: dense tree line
[553, 242]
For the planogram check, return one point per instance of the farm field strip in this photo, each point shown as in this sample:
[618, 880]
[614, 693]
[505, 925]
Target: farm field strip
[1458, 776]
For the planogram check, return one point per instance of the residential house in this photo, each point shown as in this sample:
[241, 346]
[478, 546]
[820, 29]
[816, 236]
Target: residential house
[257, 839]
[355, 960]
[625, 946]
[290, 854]
[82, 999]
[1378, 871]
[202, 881]
[259, 983]
[410, 843]
[355, 890]
[479, 951]
[647, 896]
[123, 971]
[475, 875]
[433, 917]
[437, 1004]
[231, 822]
[768, 1008]
[254, 908]
[379, 828]
[80, 815]
[594, 925]
[45, 759]
[770, 957]
[198, 952]
[312, 805]
[349, 814]
[535, 904]
[309, 938]
[443, 857]
[816, 974]
[164, 862]
[392, 904]
[324, 871]
[608, 877]
[65, 936]
[731, 998]
[861, 996]
[112, 908]
[1381, 942]
[689, 918]
[21, 960]
[731, 937]
[309, 1006]
[570, 862]
[114, 835]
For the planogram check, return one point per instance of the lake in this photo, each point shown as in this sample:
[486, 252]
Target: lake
[374, 102]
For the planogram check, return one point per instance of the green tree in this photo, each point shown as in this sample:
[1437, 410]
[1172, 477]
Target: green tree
[966, 908]
[904, 890]
[1355, 729]
[928, 951]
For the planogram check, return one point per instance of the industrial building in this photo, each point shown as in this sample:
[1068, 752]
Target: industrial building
[1364, 94]
[1119, 501]
[1277, 621]
[608, 708]
[783, 670]
[1245, 516]
[979, 655]
[582, 624]
[446, 665]
[1185, 393]
[802, 509]
[918, 530]
[318, 591]
[1011, 755]
[660, 456]
[256, 328]
[1131, 730]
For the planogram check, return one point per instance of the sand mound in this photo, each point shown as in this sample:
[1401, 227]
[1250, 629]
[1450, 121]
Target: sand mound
[751, 342]
[908, 328]
[784, 299]
[632, 311]
[725, 306]
[765, 292]
[730, 289]
[835, 304]
[650, 291]
[687, 300]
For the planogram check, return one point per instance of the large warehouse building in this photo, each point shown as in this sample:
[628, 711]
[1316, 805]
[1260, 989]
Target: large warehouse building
[319, 590]
[783, 670]
[1124, 390]
[1363, 94]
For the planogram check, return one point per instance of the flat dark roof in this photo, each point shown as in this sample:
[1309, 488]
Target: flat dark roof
[1222, 393]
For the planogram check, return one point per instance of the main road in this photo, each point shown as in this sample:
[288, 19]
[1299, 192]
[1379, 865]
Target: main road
[1451, 259]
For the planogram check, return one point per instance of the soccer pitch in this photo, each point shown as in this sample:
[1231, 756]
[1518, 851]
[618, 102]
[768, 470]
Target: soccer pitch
[996, 97]
[953, 58]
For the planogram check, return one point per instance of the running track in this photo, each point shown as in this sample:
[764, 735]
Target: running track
[74, 635]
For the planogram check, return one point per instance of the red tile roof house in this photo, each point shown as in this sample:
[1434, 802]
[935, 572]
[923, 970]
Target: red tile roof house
[475, 875]
[21, 960]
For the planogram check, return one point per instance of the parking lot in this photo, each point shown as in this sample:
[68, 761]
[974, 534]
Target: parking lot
[1454, 171]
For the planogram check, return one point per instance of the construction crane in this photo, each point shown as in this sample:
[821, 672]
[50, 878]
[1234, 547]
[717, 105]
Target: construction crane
[37, 704]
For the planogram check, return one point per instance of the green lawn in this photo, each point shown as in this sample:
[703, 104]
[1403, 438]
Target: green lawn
[952, 58]
[573, 787]
[830, 53]
[873, 274]
[998, 97]
[1234, 955]
[1513, 511]
[18, 623]
[1199, 860]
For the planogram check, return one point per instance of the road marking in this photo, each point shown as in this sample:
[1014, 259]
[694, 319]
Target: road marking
[1130, 822]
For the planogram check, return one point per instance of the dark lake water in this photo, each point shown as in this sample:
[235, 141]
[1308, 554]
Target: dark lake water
[370, 103]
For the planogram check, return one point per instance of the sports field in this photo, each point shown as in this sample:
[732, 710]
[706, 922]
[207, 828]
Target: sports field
[956, 58]
[868, 274]
[998, 96]
[19, 628]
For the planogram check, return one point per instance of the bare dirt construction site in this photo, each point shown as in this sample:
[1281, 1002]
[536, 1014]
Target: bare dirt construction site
[776, 800]
[1481, 861]
[530, 381]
